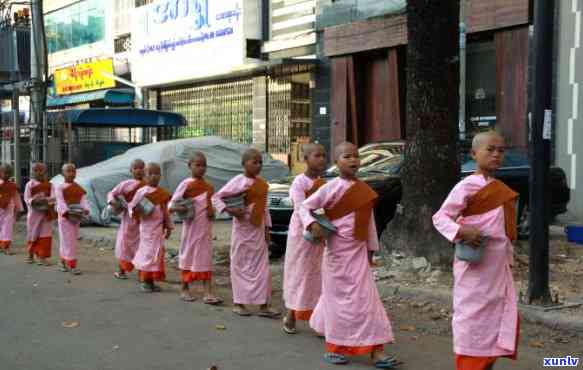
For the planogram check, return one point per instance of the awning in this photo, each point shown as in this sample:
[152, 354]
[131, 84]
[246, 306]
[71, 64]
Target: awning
[110, 97]
[117, 117]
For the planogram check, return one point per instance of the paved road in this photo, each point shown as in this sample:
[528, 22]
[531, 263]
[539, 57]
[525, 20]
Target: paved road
[123, 329]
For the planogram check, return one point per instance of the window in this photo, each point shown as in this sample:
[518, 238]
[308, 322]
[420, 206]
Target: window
[76, 25]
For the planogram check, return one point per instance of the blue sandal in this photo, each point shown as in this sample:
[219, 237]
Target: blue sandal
[335, 359]
[388, 362]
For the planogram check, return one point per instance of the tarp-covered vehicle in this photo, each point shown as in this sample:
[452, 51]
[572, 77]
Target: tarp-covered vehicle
[223, 160]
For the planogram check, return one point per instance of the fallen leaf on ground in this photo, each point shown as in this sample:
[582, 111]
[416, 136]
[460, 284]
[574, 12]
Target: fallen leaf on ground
[70, 324]
[536, 344]
[407, 328]
[220, 327]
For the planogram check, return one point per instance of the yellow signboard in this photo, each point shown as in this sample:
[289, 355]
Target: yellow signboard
[84, 77]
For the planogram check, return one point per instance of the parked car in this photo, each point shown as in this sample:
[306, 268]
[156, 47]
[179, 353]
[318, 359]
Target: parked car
[381, 167]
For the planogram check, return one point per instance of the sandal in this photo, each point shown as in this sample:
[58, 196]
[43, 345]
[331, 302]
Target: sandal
[241, 311]
[389, 362]
[76, 272]
[63, 268]
[120, 275]
[269, 313]
[43, 263]
[146, 288]
[30, 260]
[212, 301]
[286, 328]
[335, 358]
[187, 297]
[156, 288]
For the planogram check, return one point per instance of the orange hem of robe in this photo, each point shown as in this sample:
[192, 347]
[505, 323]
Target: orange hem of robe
[5, 244]
[152, 276]
[353, 350]
[474, 363]
[41, 247]
[126, 266]
[70, 263]
[302, 315]
[190, 276]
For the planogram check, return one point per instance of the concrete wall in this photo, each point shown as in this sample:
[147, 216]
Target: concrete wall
[569, 101]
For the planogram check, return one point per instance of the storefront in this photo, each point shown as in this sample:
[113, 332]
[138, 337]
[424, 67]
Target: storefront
[368, 80]
[214, 77]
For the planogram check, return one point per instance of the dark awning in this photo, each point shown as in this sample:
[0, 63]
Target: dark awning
[114, 117]
[110, 97]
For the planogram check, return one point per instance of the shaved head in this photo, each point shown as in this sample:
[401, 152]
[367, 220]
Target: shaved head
[39, 166]
[250, 154]
[343, 148]
[152, 166]
[137, 163]
[67, 166]
[5, 167]
[309, 148]
[197, 156]
[483, 137]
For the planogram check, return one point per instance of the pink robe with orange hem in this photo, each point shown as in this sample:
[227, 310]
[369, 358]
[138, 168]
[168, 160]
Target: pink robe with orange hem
[150, 255]
[38, 227]
[68, 230]
[302, 279]
[8, 218]
[196, 251]
[485, 318]
[350, 312]
[128, 234]
[250, 273]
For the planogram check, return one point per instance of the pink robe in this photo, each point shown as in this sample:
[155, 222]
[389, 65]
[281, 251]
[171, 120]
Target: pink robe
[196, 253]
[8, 218]
[150, 254]
[250, 273]
[68, 230]
[302, 279]
[350, 311]
[37, 225]
[484, 298]
[128, 235]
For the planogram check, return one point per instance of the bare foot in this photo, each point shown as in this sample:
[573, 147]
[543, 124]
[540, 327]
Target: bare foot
[241, 310]
[186, 296]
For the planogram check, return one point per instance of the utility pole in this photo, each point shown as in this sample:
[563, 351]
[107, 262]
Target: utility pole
[16, 137]
[462, 115]
[539, 147]
[38, 89]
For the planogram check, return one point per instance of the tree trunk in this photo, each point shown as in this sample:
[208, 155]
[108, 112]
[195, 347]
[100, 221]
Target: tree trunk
[431, 165]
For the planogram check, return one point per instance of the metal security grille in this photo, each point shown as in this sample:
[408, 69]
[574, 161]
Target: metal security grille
[289, 107]
[223, 109]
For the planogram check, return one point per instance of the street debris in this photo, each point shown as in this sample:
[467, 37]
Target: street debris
[70, 324]
[536, 344]
[220, 327]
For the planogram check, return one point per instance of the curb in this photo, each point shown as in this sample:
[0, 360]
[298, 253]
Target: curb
[557, 321]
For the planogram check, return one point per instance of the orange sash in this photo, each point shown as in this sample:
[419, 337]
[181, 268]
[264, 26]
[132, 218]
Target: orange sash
[492, 196]
[318, 183]
[359, 198]
[7, 191]
[45, 188]
[73, 194]
[159, 197]
[257, 194]
[198, 187]
[129, 196]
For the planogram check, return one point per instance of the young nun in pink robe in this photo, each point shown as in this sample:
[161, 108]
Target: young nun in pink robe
[154, 229]
[10, 207]
[39, 224]
[350, 312]
[69, 193]
[250, 273]
[128, 234]
[485, 320]
[196, 252]
[302, 280]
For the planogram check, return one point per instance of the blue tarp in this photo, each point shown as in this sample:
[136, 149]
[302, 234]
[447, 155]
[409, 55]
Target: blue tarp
[117, 117]
[110, 97]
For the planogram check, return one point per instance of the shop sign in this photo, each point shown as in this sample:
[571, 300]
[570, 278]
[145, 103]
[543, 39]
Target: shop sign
[84, 77]
[178, 40]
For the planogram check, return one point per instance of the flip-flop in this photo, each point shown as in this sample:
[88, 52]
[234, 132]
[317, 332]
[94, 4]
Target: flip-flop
[335, 359]
[212, 301]
[43, 263]
[269, 314]
[76, 272]
[389, 362]
[120, 276]
[146, 288]
[63, 269]
[30, 261]
[187, 298]
[156, 288]
[241, 312]
[286, 329]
